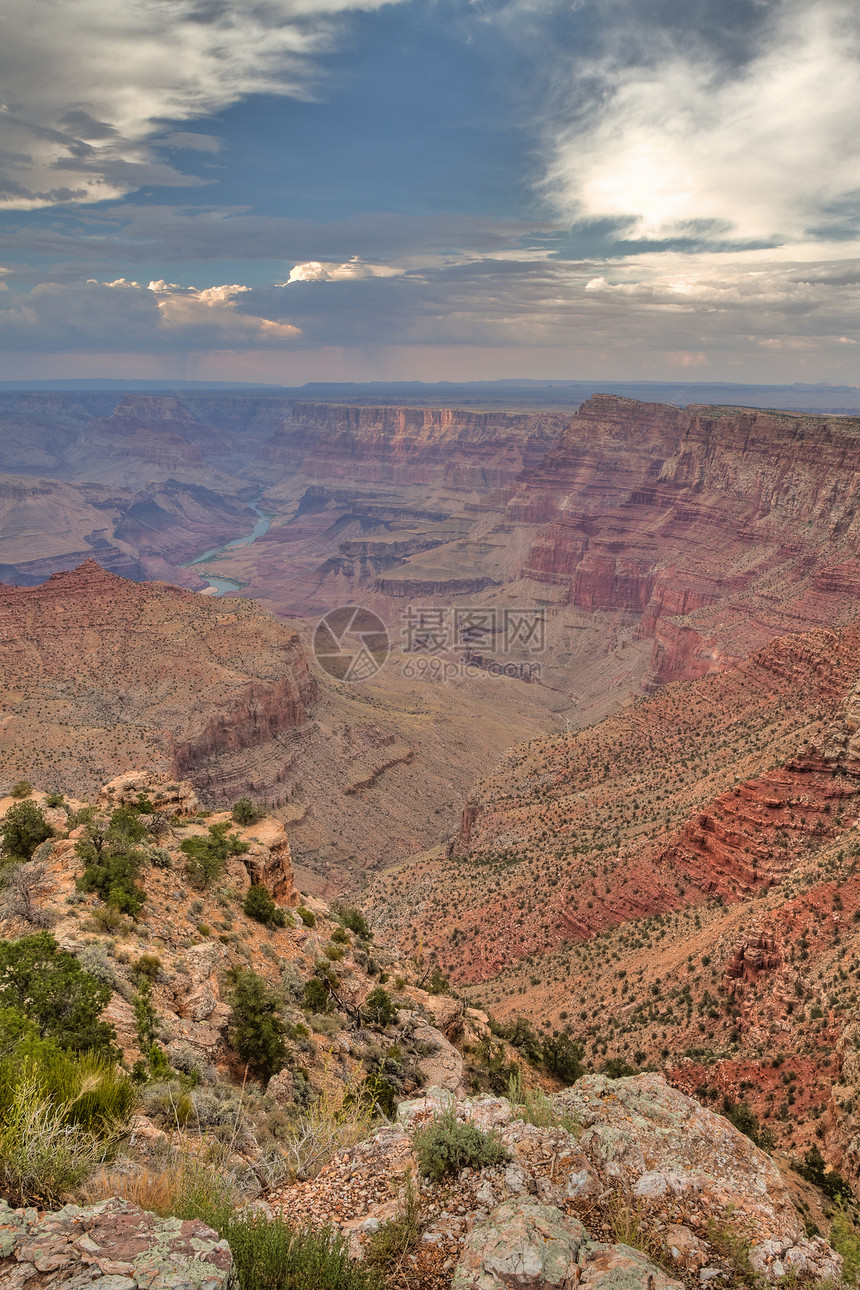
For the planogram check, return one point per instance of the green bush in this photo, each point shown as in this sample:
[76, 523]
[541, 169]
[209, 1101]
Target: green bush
[256, 1026]
[43, 1156]
[446, 1146]
[22, 789]
[55, 799]
[379, 1008]
[268, 1254]
[91, 1090]
[307, 916]
[112, 861]
[207, 855]
[260, 906]
[562, 1057]
[23, 829]
[246, 812]
[437, 982]
[353, 920]
[814, 1169]
[48, 986]
[315, 996]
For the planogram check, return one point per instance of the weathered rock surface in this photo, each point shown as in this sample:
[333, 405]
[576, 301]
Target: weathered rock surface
[534, 1246]
[112, 1245]
[653, 1144]
[644, 1147]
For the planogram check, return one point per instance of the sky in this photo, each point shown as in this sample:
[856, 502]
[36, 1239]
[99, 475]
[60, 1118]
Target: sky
[292, 190]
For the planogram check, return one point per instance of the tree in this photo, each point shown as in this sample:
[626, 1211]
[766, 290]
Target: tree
[24, 828]
[563, 1058]
[260, 906]
[256, 1027]
[112, 861]
[49, 987]
[208, 855]
[379, 1007]
[246, 812]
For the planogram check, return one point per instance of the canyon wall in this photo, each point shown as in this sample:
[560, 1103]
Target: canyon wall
[99, 671]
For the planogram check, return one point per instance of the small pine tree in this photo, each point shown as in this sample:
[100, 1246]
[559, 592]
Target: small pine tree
[23, 829]
[256, 1027]
[260, 906]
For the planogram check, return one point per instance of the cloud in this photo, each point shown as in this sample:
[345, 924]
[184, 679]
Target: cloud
[653, 313]
[354, 270]
[88, 86]
[161, 316]
[684, 137]
[134, 234]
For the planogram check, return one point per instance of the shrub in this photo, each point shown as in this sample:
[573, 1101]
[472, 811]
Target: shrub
[55, 799]
[112, 861]
[315, 996]
[562, 1057]
[148, 966]
[256, 1027]
[353, 920]
[207, 855]
[389, 1245]
[379, 1007]
[437, 982]
[42, 1155]
[22, 789]
[332, 1123]
[91, 1090]
[246, 812]
[268, 1253]
[49, 987]
[814, 1169]
[24, 828]
[260, 906]
[307, 916]
[446, 1146]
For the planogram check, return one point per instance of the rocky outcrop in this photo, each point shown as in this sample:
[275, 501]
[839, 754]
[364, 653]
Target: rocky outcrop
[114, 1245]
[653, 1144]
[697, 1186]
[108, 673]
[537, 1247]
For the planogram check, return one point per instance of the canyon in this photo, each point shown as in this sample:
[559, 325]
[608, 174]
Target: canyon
[636, 826]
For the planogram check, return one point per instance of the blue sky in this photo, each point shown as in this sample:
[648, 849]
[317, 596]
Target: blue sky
[284, 190]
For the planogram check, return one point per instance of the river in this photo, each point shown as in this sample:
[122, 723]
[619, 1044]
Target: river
[221, 586]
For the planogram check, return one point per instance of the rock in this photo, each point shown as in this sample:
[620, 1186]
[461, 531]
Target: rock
[442, 1068]
[166, 794]
[281, 1088]
[114, 1245]
[447, 1013]
[534, 1246]
[647, 1140]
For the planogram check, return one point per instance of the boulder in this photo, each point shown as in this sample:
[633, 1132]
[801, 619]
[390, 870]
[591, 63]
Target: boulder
[532, 1246]
[112, 1245]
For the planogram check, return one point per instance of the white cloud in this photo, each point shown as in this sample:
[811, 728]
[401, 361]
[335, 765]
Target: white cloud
[88, 85]
[155, 317]
[354, 270]
[766, 150]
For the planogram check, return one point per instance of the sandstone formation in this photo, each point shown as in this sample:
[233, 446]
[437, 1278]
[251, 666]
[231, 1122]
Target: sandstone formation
[112, 1245]
[676, 885]
[101, 673]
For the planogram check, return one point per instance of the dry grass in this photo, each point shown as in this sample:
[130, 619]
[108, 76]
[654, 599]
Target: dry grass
[338, 1119]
